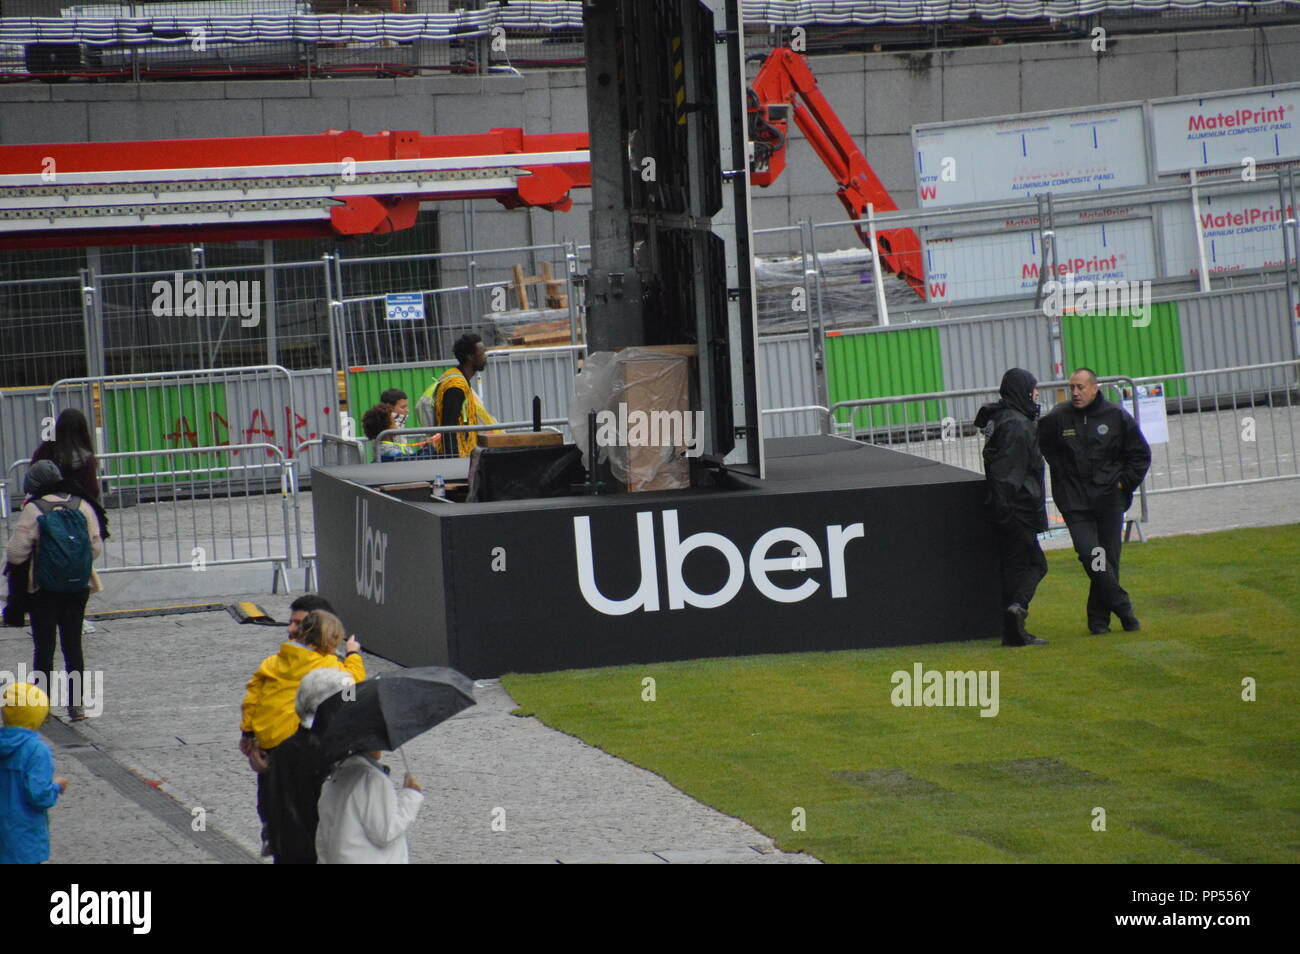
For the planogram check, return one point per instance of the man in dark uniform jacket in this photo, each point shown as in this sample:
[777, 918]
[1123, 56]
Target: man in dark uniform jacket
[1013, 469]
[1098, 458]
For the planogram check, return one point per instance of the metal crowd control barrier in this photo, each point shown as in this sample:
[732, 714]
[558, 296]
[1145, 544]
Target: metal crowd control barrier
[332, 451]
[822, 412]
[462, 429]
[943, 428]
[137, 413]
[1226, 427]
[197, 527]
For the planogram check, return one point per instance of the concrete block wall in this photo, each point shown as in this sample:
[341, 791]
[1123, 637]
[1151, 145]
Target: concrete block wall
[877, 96]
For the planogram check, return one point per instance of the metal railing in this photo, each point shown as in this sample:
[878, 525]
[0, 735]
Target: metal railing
[1226, 427]
[461, 291]
[136, 413]
[401, 432]
[1222, 427]
[939, 426]
[226, 519]
[331, 451]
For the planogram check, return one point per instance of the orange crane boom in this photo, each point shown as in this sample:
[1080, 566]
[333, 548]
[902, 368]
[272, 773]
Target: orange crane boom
[785, 85]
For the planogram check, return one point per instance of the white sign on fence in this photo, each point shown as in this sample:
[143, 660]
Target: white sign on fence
[1220, 130]
[1067, 152]
[406, 306]
[1151, 412]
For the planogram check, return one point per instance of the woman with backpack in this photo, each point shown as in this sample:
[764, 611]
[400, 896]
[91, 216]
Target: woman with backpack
[60, 532]
[71, 451]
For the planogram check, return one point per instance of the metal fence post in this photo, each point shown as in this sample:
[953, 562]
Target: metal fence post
[331, 319]
[816, 349]
[1293, 225]
[268, 302]
[1203, 268]
[92, 310]
[571, 270]
[877, 278]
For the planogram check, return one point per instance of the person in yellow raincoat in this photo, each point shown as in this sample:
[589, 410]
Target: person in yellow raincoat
[269, 715]
[454, 401]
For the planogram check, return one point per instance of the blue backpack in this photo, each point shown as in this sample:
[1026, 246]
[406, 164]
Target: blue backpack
[63, 554]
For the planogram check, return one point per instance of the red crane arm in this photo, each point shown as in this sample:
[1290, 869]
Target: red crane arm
[785, 83]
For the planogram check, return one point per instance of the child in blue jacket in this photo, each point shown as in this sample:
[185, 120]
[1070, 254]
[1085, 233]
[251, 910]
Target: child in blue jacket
[28, 787]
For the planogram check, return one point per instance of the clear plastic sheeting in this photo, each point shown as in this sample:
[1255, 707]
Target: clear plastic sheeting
[644, 427]
[842, 296]
[501, 326]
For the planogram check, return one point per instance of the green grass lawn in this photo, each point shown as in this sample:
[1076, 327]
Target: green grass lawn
[1149, 726]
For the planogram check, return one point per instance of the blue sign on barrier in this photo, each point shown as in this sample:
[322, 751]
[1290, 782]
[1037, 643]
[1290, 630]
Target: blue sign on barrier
[405, 306]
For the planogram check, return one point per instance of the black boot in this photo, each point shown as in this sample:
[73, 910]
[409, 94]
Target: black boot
[1013, 628]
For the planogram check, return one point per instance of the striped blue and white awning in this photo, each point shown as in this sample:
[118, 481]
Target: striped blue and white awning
[99, 25]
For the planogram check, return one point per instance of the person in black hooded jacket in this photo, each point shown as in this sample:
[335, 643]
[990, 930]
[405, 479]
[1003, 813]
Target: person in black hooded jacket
[1098, 458]
[1013, 470]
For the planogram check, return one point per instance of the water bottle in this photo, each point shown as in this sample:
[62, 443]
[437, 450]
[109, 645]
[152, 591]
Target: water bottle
[439, 488]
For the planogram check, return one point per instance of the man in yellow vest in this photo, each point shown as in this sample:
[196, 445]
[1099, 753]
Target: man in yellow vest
[454, 401]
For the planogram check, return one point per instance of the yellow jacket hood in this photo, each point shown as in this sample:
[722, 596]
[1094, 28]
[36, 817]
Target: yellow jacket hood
[268, 710]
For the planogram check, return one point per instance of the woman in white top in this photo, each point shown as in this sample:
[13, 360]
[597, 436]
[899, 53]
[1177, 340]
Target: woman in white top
[363, 820]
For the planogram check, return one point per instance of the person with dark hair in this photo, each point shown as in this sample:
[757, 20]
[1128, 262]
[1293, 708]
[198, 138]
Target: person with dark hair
[381, 418]
[397, 399]
[58, 537]
[450, 401]
[299, 608]
[268, 714]
[1098, 458]
[73, 451]
[1013, 471]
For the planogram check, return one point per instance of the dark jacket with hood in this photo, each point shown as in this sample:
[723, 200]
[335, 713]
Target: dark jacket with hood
[1013, 467]
[1097, 453]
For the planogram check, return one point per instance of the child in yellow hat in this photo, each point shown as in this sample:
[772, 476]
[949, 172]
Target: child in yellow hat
[28, 786]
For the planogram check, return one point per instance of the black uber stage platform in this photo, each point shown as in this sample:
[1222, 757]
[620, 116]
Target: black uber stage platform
[896, 550]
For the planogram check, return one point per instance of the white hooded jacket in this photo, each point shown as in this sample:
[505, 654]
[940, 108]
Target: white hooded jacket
[363, 819]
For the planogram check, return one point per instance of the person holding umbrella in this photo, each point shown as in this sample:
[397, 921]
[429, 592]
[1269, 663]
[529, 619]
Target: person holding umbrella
[363, 819]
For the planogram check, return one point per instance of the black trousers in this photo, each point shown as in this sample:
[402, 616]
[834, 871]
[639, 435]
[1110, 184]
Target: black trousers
[262, 779]
[1098, 536]
[58, 617]
[1023, 563]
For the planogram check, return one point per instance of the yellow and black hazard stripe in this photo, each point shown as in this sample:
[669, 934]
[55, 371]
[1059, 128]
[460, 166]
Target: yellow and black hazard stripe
[679, 82]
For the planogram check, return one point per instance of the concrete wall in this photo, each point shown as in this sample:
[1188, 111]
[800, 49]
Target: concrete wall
[877, 96]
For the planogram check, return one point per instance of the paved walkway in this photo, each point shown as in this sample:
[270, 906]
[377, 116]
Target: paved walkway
[172, 687]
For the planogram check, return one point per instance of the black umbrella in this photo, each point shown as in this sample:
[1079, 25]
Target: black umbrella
[389, 710]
